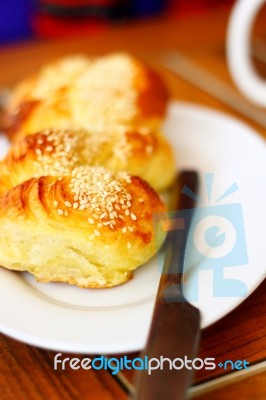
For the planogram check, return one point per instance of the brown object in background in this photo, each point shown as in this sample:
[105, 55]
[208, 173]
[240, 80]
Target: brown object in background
[182, 7]
[65, 18]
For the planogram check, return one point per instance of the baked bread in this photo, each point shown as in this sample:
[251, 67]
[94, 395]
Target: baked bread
[57, 152]
[90, 229]
[79, 92]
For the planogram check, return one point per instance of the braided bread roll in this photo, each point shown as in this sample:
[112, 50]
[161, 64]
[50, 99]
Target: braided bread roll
[87, 93]
[91, 228]
[56, 152]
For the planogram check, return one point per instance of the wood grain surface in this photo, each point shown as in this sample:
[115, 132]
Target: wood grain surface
[27, 372]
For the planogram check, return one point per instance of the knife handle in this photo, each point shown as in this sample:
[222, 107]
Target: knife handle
[174, 334]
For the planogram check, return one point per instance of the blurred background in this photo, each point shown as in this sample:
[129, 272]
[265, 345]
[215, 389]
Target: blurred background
[51, 19]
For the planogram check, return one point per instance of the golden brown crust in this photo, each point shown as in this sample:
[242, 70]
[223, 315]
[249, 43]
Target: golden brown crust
[90, 229]
[57, 152]
[84, 93]
[63, 216]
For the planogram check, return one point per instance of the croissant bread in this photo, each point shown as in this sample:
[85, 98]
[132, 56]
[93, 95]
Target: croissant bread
[87, 93]
[91, 228]
[57, 152]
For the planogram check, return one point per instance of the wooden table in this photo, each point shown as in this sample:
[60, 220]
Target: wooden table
[27, 372]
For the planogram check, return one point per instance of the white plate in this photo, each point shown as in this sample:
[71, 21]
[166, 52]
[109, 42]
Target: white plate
[65, 318]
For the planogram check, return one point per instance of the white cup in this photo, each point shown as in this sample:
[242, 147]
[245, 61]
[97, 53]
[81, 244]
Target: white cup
[238, 51]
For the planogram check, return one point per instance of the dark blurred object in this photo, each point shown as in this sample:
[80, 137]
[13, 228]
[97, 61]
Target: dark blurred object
[147, 7]
[101, 8]
[78, 8]
[181, 7]
[15, 16]
[63, 18]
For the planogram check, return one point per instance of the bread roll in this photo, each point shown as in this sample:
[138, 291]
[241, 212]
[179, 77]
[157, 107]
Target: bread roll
[89, 229]
[87, 93]
[57, 152]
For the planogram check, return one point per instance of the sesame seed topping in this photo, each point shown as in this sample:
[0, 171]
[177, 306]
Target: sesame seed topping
[124, 229]
[68, 204]
[49, 148]
[133, 216]
[97, 233]
[149, 149]
[60, 212]
[56, 204]
[99, 196]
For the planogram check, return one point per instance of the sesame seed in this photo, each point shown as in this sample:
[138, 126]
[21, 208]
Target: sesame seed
[55, 204]
[91, 220]
[60, 212]
[97, 233]
[127, 212]
[68, 204]
[49, 148]
[75, 205]
[133, 216]
[124, 229]
[130, 229]
[66, 213]
[38, 152]
[149, 149]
